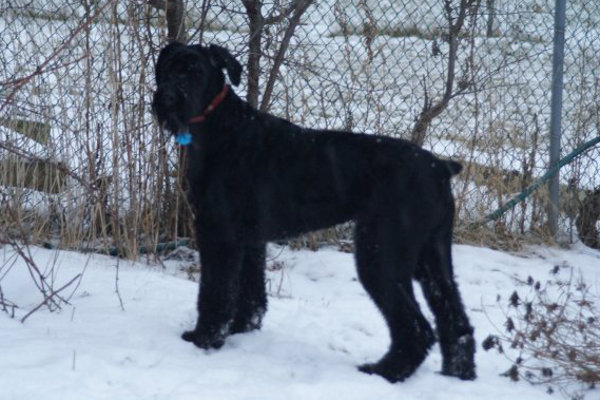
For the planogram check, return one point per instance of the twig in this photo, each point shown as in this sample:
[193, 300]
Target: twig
[19, 81]
[50, 296]
[117, 286]
[6, 304]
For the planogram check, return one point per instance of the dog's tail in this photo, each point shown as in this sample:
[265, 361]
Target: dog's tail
[453, 167]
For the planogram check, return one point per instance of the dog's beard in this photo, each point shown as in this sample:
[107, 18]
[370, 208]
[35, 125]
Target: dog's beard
[174, 125]
[170, 117]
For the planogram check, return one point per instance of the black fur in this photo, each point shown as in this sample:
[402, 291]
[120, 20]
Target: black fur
[254, 178]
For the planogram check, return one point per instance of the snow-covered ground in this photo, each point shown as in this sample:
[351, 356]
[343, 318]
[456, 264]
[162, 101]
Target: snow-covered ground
[320, 325]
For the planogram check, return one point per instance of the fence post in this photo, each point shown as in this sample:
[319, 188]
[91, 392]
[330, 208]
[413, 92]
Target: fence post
[556, 110]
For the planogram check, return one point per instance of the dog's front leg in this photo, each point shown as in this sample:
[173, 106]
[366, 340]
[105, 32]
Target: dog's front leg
[219, 290]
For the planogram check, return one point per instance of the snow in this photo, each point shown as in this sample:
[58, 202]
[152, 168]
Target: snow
[319, 327]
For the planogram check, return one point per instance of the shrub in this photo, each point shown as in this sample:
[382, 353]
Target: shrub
[554, 329]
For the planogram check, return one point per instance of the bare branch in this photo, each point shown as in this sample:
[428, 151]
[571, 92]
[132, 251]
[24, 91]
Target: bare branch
[50, 296]
[283, 14]
[300, 7]
[58, 165]
[55, 54]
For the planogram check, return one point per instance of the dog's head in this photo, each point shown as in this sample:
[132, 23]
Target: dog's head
[188, 78]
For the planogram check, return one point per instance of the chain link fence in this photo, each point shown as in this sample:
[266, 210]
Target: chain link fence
[83, 165]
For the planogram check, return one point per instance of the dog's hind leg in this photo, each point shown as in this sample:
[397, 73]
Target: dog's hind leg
[219, 291]
[455, 332]
[252, 299]
[386, 273]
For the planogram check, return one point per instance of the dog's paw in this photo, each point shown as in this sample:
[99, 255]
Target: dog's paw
[204, 341]
[460, 363]
[391, 370]
[244, 327]
[465, 372]
[247, 323]
[392, 375]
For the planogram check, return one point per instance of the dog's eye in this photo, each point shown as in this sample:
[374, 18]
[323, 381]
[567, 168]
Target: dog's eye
[194, 68]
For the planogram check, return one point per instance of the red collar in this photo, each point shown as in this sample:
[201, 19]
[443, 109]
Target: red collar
[213, 104]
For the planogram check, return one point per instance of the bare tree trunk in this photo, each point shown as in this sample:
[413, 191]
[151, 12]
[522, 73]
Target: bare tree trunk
[175, 16]
[298, 8]
[256, 24]
[490, 4]
[204, 7]
[430, 109]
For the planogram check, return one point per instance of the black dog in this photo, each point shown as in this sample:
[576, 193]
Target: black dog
[254, 178]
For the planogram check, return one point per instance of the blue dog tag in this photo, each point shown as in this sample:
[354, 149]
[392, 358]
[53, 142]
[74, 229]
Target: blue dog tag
[184, 139]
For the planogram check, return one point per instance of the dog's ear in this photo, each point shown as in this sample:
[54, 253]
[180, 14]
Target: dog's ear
[223, 59]
[164, 55]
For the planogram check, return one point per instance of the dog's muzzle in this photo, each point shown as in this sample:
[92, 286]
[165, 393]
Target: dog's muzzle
[168, 107]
